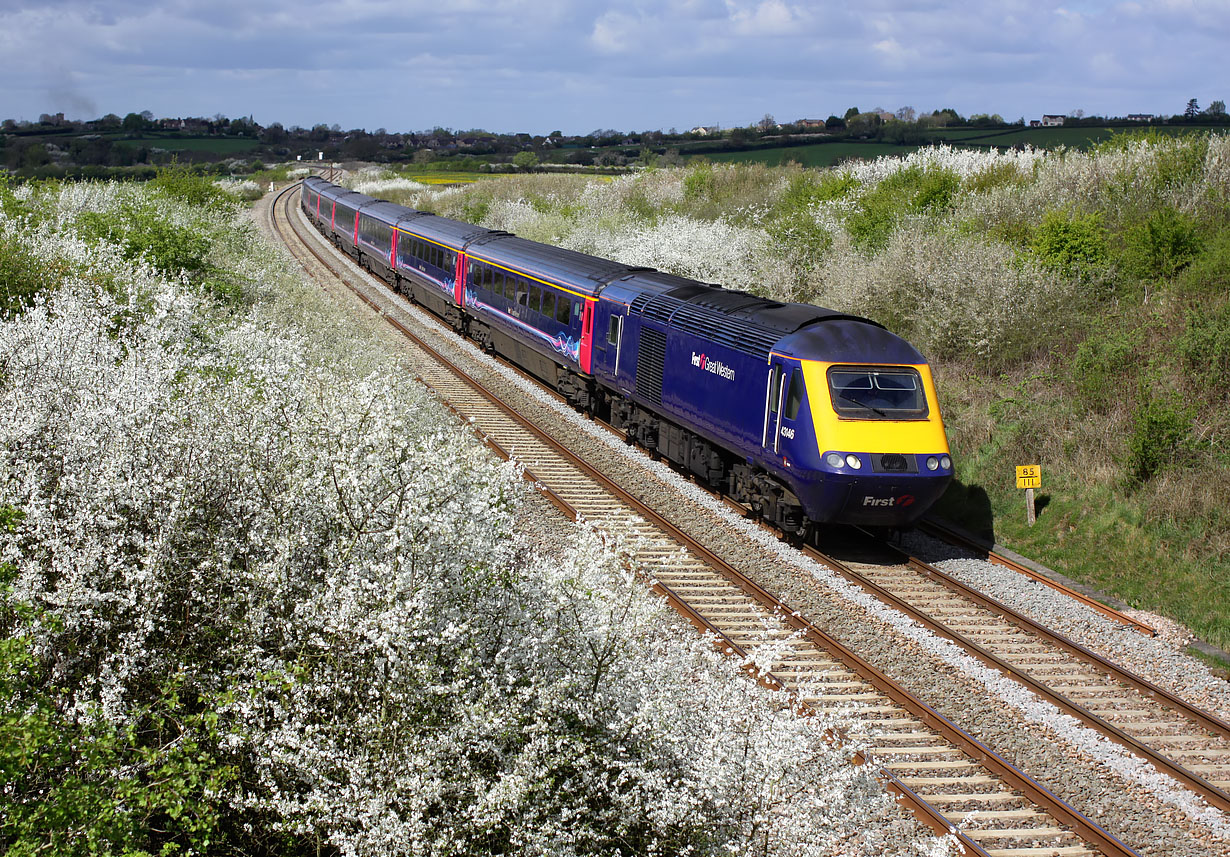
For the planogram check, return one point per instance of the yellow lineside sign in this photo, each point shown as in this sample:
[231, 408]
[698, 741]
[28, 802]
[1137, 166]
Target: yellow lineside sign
[1029, 476]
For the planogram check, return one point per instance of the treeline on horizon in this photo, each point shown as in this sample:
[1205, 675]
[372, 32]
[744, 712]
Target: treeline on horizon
[111, 146]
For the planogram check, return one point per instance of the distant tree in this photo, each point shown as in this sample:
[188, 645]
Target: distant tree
[767, 123]
[1216, 108]
[360, 146]
[525, 161]
[134, 123]
[906, 114]
[834, 122]
[863, 124]
[1192, 111]
[1078, 113]
[274, 134]
[851, 113]
[947, 116]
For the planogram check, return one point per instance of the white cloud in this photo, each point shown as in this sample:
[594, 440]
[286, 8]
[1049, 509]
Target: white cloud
[614, 33]
[768, 18]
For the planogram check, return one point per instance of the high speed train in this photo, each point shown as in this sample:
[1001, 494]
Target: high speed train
[802, 414]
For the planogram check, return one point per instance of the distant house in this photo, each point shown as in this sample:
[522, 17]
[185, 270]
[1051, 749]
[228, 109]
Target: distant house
[810, 123]
[1035, 123]
[1051, 121]
[705, 130]
[1140, 117]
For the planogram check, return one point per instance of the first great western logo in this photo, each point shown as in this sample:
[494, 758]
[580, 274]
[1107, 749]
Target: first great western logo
[717, 367]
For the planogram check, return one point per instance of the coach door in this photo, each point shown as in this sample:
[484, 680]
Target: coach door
[775, 393]
[617, 356]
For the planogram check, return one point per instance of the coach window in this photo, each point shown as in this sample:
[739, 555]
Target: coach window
[535, 298]
[563, 309]
[794, 396]
[548, 303]
[523, 292]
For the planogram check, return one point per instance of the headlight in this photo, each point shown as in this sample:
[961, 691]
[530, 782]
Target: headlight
[946, 462]
[932, 462]
[834, 459]
[853, 461]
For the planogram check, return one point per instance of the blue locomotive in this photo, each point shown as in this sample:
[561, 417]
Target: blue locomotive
[803, 414]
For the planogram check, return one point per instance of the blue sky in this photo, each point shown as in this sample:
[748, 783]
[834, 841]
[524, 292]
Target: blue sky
[576, 66]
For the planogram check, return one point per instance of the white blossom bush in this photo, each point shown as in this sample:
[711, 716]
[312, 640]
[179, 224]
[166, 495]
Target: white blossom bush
[278, 600]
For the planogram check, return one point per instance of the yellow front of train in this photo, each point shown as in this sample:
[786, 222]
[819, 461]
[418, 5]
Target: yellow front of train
[881, 442]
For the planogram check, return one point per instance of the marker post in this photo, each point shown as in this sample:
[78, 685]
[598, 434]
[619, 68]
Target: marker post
[1029, 477]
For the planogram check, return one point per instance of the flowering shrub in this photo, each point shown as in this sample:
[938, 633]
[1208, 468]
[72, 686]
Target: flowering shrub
[258, 594]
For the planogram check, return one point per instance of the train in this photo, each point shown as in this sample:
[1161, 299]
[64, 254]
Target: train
[803, 415]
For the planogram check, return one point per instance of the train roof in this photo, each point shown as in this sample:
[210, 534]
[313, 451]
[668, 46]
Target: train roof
[737, 319]
[454, 233]
[849, 340]
[350, 198]
[568, 268]
[385, 212]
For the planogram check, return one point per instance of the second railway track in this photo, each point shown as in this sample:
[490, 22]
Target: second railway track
[1000, 814]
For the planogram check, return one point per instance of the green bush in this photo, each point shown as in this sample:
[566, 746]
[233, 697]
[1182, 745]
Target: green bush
[997, 175]
[1204, 349]
[22, 278]
[699, 183]
[180, 182]
[1208, 273]
[1102, 367]
[10, 205]
[1066, 240]
[139, 230]
[909, 191]
[1163, 245]
[1161, 434]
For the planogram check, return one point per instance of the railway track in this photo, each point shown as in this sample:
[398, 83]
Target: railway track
[1176, 737]
[948, 777]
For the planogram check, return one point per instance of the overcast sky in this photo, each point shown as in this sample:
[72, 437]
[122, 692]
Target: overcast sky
[633, 65]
